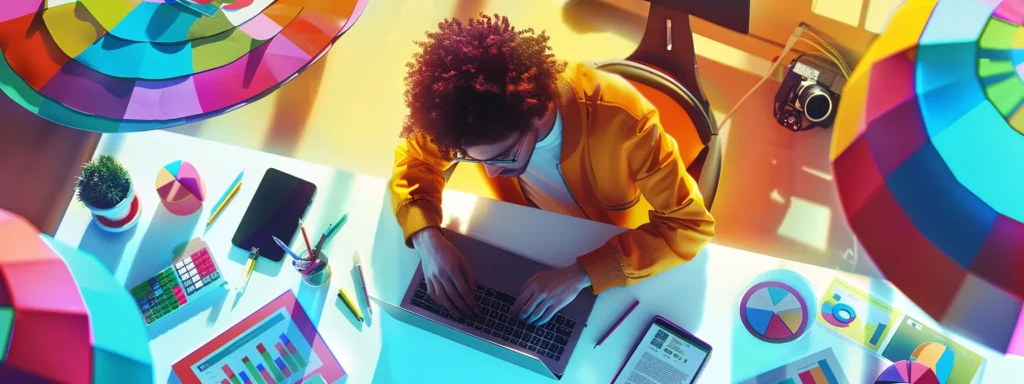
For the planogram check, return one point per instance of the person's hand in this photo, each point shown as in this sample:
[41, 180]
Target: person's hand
[549, 291]
[449, 277]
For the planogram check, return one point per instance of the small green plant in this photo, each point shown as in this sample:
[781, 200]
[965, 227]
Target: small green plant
[104, 183]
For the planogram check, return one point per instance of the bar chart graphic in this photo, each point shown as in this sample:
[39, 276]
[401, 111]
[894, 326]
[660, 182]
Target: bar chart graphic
[266, 368]
[861, 318]
[275, 345]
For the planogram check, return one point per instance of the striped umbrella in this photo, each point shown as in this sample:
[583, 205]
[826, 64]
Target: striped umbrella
[928, 157]
[132, 65]
[63, 317]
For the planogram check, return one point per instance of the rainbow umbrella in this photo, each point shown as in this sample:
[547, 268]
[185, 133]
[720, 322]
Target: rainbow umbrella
[63, 317]
[928, 157]
[132, 65]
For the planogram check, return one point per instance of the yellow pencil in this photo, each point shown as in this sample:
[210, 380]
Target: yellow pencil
[223, 203]
[350, 304]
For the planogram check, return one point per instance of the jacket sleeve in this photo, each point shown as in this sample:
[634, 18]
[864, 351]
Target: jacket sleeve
[417, 182]
[679, 227]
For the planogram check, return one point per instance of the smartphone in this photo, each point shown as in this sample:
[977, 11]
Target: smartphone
[280, 201]
[665, 354]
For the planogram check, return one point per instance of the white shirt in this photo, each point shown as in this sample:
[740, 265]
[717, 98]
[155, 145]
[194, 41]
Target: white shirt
[543, 183]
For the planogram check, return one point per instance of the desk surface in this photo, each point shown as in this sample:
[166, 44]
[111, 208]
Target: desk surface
[701, 296]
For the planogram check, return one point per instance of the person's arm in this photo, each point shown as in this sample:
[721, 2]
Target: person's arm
[417, 182]
[680, 226]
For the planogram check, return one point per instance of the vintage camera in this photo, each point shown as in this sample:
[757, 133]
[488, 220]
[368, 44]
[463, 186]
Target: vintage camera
[809, 94]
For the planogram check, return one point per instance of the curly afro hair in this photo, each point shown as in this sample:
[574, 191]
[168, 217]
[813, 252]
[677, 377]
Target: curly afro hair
[478, 83]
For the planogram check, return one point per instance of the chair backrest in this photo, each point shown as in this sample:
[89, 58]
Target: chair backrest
[682, 117]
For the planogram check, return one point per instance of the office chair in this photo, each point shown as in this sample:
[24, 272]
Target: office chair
[664, 69]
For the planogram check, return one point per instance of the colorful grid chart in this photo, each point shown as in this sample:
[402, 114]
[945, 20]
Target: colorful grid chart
[131, 65]
[927, 155]
[174, 286]
[277, 344]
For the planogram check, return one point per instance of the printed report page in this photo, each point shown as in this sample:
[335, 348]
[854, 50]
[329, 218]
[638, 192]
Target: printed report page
[662, 358]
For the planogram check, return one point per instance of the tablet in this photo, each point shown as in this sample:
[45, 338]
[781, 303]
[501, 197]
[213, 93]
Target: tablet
[664, 354]
[280, 201]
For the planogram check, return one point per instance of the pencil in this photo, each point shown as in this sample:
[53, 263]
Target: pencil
[616, 325]
[309, 247]
[362, 281]
[351, 306]
[226, 198]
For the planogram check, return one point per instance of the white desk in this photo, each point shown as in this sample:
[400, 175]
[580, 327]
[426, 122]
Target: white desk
[701, 296]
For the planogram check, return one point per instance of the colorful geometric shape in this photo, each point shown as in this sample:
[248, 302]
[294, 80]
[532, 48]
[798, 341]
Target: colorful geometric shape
[774, 311]
[180, 188]
[937, 357]
[64, 303]
[927, 156]
[907, 372]
[132, 65]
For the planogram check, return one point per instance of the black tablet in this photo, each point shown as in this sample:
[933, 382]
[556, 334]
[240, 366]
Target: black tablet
[280, 201]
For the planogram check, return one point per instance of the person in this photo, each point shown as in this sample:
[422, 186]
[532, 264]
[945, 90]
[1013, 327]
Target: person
[557, 136]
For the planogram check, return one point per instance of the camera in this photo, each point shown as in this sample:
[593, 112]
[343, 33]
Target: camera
[809, 94]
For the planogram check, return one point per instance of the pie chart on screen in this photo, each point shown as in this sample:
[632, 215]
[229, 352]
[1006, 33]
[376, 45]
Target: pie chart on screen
[907, 372]
[774, 312]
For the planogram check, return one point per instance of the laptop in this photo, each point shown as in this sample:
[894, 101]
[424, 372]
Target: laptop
[493, 330]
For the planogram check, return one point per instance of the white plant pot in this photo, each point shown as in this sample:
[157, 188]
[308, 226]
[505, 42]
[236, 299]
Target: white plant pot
[116, 218]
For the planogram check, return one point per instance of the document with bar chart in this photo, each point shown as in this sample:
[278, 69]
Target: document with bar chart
[276, 345]
[821, 367]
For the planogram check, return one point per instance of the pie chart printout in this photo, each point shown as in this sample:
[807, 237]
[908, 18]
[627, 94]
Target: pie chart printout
[774, 312]
[180, 189]
[907, 372]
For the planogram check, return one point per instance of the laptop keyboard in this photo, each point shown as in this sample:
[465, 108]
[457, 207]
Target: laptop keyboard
[493, 317]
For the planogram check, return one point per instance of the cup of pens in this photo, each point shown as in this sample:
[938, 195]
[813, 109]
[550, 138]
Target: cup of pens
[314, 272]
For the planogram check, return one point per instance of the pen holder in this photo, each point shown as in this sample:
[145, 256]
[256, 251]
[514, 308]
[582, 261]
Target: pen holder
[319, 276]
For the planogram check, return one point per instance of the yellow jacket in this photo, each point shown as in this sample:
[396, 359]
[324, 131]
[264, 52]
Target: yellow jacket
[618, 164]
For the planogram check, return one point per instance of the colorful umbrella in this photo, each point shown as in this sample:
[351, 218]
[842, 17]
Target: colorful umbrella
[132, 65]
[63, 317]
[928, 157]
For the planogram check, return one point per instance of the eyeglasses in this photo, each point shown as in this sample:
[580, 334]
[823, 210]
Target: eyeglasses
[498, 161]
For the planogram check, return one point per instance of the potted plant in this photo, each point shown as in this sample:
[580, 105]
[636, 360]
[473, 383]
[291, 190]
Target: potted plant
[107, 190]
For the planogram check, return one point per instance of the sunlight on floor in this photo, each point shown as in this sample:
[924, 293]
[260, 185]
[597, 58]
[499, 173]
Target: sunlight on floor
[817, 173]
[807, 222]
[878, 14]
[845, 11]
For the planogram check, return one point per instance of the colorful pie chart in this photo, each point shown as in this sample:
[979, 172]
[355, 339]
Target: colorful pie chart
[181, 190]
[907, 372]
[774, 312]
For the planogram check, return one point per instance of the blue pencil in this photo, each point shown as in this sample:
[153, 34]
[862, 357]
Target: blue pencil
[286, 248]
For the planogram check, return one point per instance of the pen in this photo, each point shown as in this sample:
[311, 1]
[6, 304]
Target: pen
[309, 247]
[362, 281]
[351, 306]
[334, 228]
[616, 325]
[250, 265]
[320, 244]
[226, 198]
[286, 248]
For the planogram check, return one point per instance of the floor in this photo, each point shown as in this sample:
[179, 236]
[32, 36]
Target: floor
[776, 196]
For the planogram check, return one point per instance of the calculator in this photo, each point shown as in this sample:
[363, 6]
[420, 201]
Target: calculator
[192, 274]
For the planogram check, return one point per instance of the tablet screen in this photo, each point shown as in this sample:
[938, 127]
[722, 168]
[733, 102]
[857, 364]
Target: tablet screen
[280, 201]
[663, 356]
